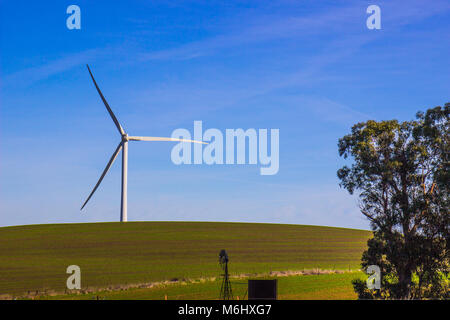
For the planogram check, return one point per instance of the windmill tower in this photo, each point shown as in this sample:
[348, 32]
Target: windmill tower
[225, 292]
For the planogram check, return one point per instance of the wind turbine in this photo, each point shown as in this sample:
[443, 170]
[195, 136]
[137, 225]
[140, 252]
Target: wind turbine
[123, 145]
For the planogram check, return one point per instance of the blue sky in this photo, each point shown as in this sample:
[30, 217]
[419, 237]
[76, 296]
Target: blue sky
[309, 68]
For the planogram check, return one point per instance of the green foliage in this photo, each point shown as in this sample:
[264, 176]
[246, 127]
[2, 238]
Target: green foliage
[401, 173]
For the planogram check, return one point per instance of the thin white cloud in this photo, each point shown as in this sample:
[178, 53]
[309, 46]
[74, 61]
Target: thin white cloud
[343, 22]
[33, 74]
[335, 21]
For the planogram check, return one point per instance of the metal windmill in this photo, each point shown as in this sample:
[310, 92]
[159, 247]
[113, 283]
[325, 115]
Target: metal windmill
[225, 292]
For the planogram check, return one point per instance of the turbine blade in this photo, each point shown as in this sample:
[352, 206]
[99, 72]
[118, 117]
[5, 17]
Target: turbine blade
[116, 122]
[163, 139]
[111, 161]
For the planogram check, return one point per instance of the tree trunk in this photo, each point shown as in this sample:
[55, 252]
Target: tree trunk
[404, 280]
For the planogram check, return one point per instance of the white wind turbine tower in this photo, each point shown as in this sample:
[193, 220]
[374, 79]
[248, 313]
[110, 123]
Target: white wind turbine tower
[123, 145]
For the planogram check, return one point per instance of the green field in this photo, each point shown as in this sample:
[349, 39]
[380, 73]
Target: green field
[35, 257]
[305, 287]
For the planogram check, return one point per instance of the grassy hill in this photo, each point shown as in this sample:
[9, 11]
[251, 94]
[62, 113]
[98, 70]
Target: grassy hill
[35, 257]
